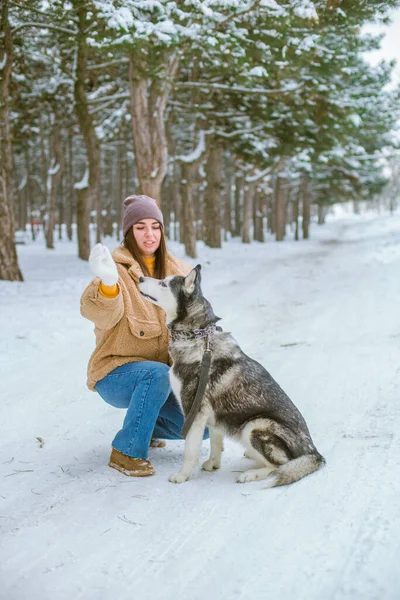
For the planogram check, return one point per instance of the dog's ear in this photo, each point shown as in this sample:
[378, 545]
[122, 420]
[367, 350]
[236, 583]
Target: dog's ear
[192, 279]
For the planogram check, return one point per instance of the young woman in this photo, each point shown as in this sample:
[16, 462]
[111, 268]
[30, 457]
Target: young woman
[129, 366]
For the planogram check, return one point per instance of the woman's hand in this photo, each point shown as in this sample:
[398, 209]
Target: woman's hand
[102, 265]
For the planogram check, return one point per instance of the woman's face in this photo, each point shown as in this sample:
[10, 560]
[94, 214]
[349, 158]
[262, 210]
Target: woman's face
[147, 234]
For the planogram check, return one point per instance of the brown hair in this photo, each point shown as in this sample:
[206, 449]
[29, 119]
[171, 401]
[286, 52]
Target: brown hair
[160, 265]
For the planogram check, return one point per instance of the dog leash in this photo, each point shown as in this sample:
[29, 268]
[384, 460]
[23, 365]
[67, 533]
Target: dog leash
[204, 371]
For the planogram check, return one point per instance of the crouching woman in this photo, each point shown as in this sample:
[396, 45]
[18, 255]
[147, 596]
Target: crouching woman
[130, 364]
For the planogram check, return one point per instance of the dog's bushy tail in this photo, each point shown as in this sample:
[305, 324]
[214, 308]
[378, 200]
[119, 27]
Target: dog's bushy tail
[294, 470]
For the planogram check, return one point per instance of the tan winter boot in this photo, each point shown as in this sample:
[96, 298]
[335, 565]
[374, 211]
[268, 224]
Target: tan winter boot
[156, 443]
[134, 467]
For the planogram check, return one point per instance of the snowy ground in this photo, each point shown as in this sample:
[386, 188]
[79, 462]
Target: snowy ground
[323, 316]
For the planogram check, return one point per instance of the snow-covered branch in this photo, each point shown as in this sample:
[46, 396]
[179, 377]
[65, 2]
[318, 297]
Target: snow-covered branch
[52, 171]
[238, 88]
[54, 168]
[376, 156]
[123, 96]
[239, 132]
[84, 182]
[22, 184]
[29, 9]
[108, 64]
[43, 26]
[258, 176]
[198, 151]
[101, 107]
[238, 14]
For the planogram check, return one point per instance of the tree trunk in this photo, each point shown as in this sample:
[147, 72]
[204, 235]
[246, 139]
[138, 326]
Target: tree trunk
[258, 216]
[166, 197]
[107, 205]
[123, 183]
[53, 177]
[248, 200]
[86, 201]
[97, 205]
[43, 161]
[29, 192]
[188, 226]
[306, 198]
[228, 203]
[82, 220]
[148, 102]
[25, 196]
[21, 216]
[171, 205]
[321, 214]
[238, 197]
[70, 195]
[271, 210]
[280, 208]
[212, 196]
[392, 205]
[9, 268]
[61, 206]
[120, 186]
[296, 214]
[177, 204]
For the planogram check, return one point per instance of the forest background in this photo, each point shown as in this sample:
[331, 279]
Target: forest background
[239, 117]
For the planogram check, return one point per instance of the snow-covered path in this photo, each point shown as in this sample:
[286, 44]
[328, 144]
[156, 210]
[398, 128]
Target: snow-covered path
[323, 317]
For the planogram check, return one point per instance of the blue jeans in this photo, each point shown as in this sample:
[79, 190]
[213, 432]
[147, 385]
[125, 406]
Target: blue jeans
[152, 410]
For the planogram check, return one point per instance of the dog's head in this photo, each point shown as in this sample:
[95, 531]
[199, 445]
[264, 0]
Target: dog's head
[173, 293]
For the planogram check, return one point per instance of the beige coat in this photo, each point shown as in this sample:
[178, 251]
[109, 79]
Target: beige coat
[127, 328]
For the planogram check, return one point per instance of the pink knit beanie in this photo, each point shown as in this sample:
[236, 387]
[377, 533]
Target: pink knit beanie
[138, 208]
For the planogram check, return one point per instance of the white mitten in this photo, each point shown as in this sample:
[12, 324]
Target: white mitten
[102, 265]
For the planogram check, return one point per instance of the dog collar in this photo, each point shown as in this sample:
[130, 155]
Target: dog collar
[193, 334]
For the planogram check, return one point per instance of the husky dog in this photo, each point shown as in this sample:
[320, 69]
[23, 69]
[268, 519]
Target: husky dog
[241, 398]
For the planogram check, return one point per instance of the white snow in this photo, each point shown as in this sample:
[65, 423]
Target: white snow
[54, 168]
[273, 6]
[3, 61]
[167, 27]
[323, 317]
[197, 152]
[120, 18]
[289, 87]
[23, 183]
[270, 4]
[305, 9]
[100, 134]
[211, 40]
[258, 175]
[355, 119]
[258, 72]
[84, 182]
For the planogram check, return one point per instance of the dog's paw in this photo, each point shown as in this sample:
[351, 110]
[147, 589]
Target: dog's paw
[178, 478]
[244, 477]
[253, 475]
[211, 465]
